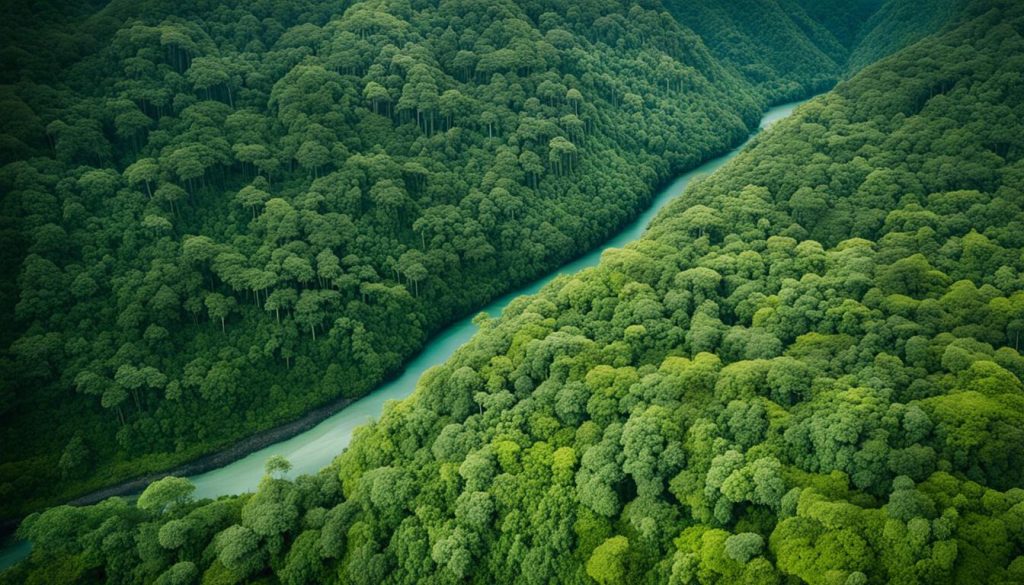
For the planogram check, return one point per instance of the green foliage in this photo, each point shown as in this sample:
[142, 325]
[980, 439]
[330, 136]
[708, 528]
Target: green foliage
[277, 465]
[608, 564]
[826, 391]
[165, 492]
[244, 198]
[743, 547]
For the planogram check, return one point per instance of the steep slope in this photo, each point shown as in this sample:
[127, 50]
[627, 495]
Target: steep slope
[899, 23]
[216, 218]
[728, 400]
[783, 59]
[845, 19]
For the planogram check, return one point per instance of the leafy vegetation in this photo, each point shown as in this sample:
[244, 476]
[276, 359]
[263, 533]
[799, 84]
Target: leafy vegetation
[216, 218]
[897, 24]
[776, 58]
[807, 372]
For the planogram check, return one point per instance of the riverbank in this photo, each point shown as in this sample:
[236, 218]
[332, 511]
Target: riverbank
[209, 462]
[238, 468]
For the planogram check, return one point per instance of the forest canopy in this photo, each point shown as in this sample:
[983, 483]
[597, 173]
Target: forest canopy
[219, 216]
[808, 371]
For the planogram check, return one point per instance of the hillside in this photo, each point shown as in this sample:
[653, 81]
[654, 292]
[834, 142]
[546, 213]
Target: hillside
[217, 218]
[781, 59]
[808, 371]
[899, 23]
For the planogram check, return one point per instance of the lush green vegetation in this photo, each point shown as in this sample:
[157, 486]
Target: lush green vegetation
[217, 216]
[807, 372]
[775, 46]
[897, 24]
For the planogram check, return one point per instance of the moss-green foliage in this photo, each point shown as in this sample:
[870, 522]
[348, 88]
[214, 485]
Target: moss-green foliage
[780, 58]
[807, 372]
[218, 216]
[899, 23]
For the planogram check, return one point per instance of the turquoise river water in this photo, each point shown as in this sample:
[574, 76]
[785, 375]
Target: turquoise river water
[315, 448]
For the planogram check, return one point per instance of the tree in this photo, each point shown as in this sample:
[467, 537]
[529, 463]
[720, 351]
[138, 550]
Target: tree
[608, 564]
[207, 72]
[389, 199]
[179, 574]
[377, 94]
[144, 171]
[411, 264]
[239, 550]
[171, 194]
[450, 104]
[304, 564]
[702, 221]
[282, 298]
[75, 458]
[219, 307]
[561, 154]
[574, 97]
[253, 195]
[165, 493]
[312, 156]
[277, 465]
[188, 163]
[912, 276]
[808, 205]
[743, 547]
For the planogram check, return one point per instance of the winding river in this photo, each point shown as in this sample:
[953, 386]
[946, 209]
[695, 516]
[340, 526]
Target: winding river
[317, 447]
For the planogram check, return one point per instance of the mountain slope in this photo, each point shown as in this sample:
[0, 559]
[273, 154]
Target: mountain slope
[845, 19]
[215, 219]
[783, 60]
[728, 400]
[899, 23]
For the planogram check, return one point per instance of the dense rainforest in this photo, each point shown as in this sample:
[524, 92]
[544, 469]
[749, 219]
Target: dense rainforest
[808, 371]
[217, 216]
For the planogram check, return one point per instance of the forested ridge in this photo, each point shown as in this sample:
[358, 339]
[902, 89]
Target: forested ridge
[217, 216]
[775, 57]
[808, 371]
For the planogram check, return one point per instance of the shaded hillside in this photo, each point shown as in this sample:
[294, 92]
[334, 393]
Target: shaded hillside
[218, 217]
[845, 19]
[807, 372]
[782, 59]
[899, 23]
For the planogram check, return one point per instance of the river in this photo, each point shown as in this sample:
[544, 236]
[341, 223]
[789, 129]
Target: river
[317, 447]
